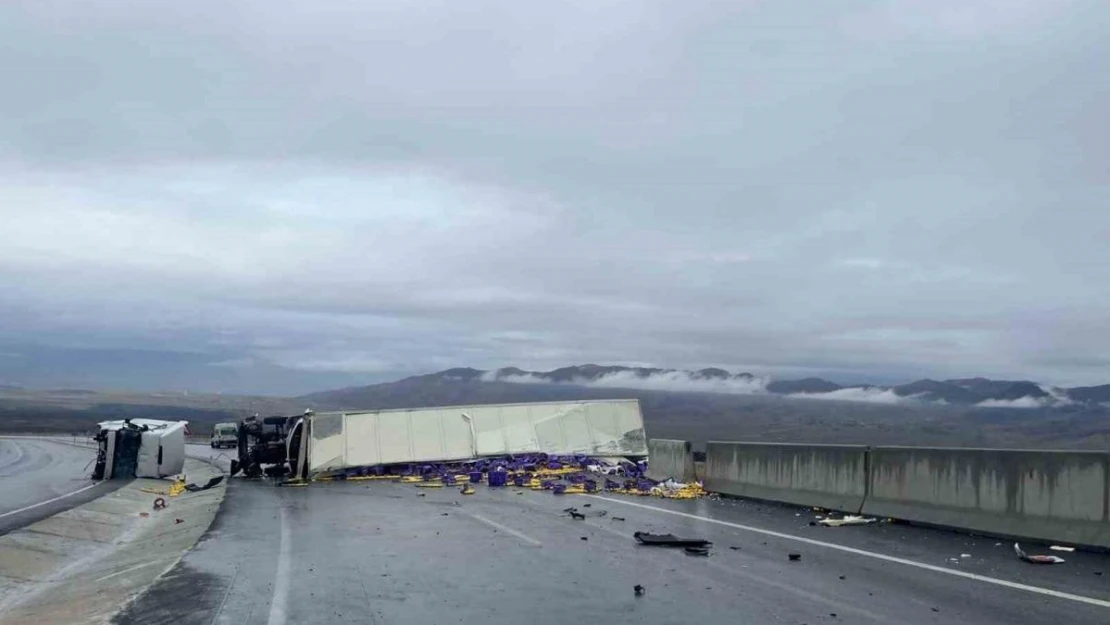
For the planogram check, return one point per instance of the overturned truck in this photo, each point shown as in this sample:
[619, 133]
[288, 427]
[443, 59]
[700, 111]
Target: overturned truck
[321, 443]
[139, 448]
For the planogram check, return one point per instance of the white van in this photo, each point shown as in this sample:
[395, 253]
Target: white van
[225, 435]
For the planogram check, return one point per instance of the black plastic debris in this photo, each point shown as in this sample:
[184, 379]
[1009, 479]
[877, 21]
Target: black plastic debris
[585, 537]
[192, 488]
[935, 609]
[577, 516]
[586, 505]
[794, 557]
[697, 551]
[639, 590]
[669, 540]
[841, 577]
[572, 509]
[617, 518]
[734, 548]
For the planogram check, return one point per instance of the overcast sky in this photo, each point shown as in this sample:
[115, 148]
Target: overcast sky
[864, 189]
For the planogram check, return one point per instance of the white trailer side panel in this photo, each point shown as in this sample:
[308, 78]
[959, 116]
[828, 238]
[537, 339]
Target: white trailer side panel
[607, 427]
[326, 449]
[458, 439]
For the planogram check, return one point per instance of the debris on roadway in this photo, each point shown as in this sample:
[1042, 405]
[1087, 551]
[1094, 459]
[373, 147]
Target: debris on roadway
[847, 520]
[668, 540]
[212, 482]
[176, 488]
[639, 590]
[1061, 548]
[793, 557]
[1036, 559]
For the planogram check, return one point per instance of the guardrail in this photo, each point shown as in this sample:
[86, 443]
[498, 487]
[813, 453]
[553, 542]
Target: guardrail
[830, 476]
[1051, 495]
[671, 459]
[1060, 496]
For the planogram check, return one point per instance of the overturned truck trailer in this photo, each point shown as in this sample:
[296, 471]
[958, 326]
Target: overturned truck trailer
[139, 448]
[333, 441]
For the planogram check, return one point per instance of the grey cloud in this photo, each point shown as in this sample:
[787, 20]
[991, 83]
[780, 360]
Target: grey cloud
[1021, 402]
[681, 381]
[866, 395]
[863, 189]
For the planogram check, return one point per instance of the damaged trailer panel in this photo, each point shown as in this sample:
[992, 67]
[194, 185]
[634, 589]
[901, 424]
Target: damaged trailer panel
[339, 440]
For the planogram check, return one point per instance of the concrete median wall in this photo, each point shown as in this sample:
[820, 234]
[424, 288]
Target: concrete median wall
[829, 476]
[670, 458]
[1051, 495]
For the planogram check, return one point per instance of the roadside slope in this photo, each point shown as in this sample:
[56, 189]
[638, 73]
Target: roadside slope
[84, 564]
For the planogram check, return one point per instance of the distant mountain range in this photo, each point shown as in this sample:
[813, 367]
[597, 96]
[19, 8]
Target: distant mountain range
[981, 392]
[701, 405]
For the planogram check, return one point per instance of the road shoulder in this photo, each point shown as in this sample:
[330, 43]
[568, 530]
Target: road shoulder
[84, 564]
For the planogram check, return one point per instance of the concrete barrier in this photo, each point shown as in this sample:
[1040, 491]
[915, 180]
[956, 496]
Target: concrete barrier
[1050, 495]
[669, 458]
[829, 476]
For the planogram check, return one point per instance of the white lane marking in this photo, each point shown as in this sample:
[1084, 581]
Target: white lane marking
[281, 578]
[135, 568]
[43, 503]
[878, 556]
[507, 530]
[227, 593]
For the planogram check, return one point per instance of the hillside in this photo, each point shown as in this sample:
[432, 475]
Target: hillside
[78, 410]
[962, 391]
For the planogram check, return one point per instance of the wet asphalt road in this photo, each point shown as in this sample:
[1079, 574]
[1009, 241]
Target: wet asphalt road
[375, 552]
[40, 478]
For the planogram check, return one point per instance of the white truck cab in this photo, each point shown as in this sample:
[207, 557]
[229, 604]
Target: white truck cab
[225, 435]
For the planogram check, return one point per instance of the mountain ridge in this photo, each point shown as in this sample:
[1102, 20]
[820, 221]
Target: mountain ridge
[977, 391]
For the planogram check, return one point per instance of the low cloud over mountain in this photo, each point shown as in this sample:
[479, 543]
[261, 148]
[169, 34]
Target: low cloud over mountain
[702, 380]
[981, 392]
